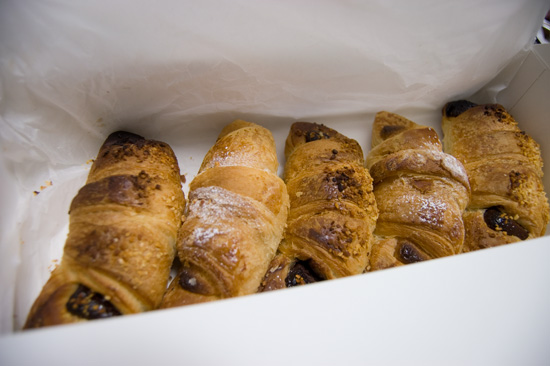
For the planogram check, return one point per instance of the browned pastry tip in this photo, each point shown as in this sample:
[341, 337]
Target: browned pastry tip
[387, 124]
[304, 132]
[319, 145]
[243, 143]
[127, 153]
[122, 138]
[457, 107]
[392, 133]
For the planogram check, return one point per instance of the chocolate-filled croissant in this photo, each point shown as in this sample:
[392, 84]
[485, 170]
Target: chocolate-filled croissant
[237, 211]
[420, 191]
[332, 209]
[123, 227]
[504, 166]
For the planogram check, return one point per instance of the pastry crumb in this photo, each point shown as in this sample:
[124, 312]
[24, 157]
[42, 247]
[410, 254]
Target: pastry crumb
[53, 265]
[47, 184]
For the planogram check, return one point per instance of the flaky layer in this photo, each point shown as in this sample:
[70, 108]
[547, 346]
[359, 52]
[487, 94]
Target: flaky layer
[332, 209]
[122, 235]
[504, 166]
[420, 191]
[237, 211]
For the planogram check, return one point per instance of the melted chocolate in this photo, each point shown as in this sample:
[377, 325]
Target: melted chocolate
[456, 108]
[88, 304]
[192, 281]
[301, 274]
[409, 254]
[498, 220]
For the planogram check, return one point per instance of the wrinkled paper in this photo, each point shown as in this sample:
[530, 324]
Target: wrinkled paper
[73, 72]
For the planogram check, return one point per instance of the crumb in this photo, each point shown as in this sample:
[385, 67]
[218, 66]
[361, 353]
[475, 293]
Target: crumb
[47, 184]
[90, 161]
[182, 178]
[53, 265]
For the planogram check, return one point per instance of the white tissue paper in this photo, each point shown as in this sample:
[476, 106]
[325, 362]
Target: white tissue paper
[72, 72]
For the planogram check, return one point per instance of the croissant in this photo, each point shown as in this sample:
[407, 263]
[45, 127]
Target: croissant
[236, 215]
[332, 209]
[504, 165]
[420, 191]
[122, 234]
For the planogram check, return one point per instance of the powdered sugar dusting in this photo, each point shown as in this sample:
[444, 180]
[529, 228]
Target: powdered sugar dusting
[448, 162]
[213, 204]
[419, 157]
[426, 210]
[203, 235]
[454, 165]
[432, 211]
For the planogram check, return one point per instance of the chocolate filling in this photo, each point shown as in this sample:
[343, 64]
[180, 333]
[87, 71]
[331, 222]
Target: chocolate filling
[499, 221]
[88, 304]
[456, 108]
[192, 281]
[301, 274]
[409, 254]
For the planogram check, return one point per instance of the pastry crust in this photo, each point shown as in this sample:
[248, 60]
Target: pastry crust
[332, 209]
[237, 211]
[420, 191]
[504, 166]
[122, 235]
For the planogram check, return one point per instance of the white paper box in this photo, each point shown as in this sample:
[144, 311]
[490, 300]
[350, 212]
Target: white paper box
[72, 73]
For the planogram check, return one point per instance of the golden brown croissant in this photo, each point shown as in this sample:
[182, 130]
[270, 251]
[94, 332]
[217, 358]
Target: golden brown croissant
[122, 234]
[504, 165]
[420, 191]
[332, 209]
[237, 211]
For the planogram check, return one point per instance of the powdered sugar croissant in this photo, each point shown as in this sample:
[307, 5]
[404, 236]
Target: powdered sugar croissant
[420, 191]
[237, 211]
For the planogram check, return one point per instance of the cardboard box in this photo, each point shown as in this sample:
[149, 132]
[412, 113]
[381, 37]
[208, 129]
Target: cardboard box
[487, 307]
